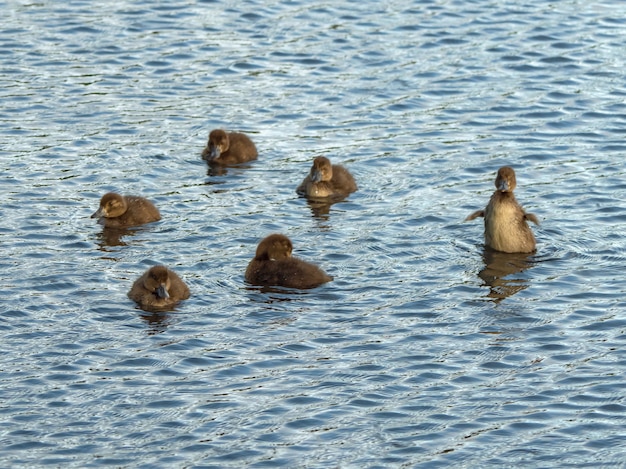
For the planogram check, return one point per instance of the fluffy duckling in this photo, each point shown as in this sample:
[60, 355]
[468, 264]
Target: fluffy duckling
[228, 148]
[273, 266]
[120, 211]
[506, 227]
[327, 180]
[158, 288]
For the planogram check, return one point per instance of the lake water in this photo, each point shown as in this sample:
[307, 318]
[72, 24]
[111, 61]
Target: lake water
[425, 351]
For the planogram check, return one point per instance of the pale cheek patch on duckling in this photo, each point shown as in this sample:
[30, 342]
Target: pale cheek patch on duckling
[114, 209]
[109, 210]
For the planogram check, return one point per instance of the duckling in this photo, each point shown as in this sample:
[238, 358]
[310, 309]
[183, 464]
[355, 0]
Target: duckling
[120, 211]
[327, 180]
[228, 148]
[158, 288]
[273, 265]
[506, 227]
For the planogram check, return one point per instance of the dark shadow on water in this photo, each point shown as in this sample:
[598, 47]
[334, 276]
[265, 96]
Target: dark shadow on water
[499, 273]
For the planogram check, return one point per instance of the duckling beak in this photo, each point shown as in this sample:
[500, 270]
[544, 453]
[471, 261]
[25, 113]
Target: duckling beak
[161, 292]
[316, 176]
[98, 213]
[214, 153]
[503, 186]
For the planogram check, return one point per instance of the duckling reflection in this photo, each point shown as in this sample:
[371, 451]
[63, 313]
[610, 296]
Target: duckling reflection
[158, 289]
[326, 180]
[214, 170]
[112, 237]
[499, 273]
[273, 265]
[122, 211]
[506, 227]
[228, 148]
[320, 209]
[156, 321]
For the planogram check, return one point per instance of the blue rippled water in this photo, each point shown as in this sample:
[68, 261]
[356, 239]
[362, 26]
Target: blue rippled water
[426, 350]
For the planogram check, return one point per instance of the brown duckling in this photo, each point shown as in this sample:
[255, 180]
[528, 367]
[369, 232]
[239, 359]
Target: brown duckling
[120, 211]
[273, 266]
[506, 227]
[227, 148]
[327, 180]
[158, 288]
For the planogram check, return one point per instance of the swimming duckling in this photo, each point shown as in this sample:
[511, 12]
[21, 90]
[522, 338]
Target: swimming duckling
[158, 288]
[274, 266]
[506, 227]
[327, 180]
[120, 211]
[228, 148]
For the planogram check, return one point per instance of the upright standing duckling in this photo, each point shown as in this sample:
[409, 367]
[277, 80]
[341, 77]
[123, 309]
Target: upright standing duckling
[158, 288]
[120, 211]
[506, 227]
[273, 266]
[327, 180]
[228, 148]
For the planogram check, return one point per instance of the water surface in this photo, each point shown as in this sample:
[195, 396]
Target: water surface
[425, 351]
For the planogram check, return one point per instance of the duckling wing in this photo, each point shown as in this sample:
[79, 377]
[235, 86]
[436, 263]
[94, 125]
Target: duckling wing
[532, 217]
[476, 214]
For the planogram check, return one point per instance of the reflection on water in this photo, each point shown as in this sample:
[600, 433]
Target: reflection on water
[216, 170]
[111, 237]
[157, 321]
[279, 294]
[320, 209]
[221, 170]
[499, 271]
